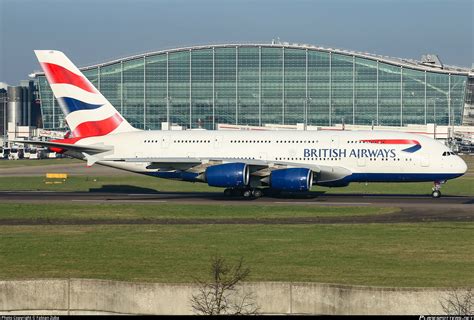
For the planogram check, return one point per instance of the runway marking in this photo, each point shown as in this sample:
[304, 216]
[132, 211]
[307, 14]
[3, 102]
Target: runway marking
[397, 197]
[326, 203]
[118, 200]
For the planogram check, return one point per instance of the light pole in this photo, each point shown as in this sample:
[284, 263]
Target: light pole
[434, 116]
[453, 118]
[434, 109]
[214, 103]
[5, 120]
[237, 105]
[306, 101]
[209, 105]
[451, 112]
[168, 100]
[257, 97]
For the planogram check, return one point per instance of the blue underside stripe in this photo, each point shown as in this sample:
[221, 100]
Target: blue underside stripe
[391, 177]
[72, 105]
[355, 177]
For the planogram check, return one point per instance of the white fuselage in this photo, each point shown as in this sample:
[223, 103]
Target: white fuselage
[367, 155]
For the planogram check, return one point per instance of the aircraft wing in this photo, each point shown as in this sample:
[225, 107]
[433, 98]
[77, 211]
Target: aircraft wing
[68, 146]
[199, 165]
[261, 168]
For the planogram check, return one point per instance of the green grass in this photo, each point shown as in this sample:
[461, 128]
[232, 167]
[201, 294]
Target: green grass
[176, 211]
[139, 183]
[39, 162]
[408, 255]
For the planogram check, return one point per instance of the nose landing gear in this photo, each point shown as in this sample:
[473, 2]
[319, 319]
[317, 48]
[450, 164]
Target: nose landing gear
[436, 189]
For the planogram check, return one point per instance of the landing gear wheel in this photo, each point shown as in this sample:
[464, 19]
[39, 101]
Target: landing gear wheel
[257, 193]
[436, 194]
[247, 194]
[436, 189]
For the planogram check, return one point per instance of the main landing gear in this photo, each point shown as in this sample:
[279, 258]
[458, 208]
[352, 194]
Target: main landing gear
[246, 193]
[436, 189]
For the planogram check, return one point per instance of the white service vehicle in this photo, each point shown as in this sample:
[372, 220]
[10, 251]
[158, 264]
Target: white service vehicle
[16, 153]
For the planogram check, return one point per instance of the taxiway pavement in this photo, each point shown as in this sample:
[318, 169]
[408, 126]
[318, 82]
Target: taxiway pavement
[412, 208]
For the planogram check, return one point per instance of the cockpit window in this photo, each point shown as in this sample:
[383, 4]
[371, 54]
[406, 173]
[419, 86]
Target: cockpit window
[448, 153]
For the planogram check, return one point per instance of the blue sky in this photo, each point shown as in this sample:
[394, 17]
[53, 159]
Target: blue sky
[91, 31]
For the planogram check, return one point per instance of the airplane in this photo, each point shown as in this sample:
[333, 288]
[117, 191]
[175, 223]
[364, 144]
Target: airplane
[245, 163]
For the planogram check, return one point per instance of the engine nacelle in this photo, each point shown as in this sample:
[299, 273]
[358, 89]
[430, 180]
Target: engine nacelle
[228, 175]
[291, 179]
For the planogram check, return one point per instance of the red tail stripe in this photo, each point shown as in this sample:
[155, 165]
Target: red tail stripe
[392, 141]
[58, 74]
[90, 129]
[65, 141]
[97, 128]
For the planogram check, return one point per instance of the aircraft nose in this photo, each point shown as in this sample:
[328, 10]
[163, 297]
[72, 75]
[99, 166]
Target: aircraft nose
[462, 166]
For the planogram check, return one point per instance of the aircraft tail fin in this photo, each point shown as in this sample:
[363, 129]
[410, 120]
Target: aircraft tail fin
[87, 112]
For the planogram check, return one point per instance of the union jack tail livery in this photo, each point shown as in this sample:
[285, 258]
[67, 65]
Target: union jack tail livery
[87, 112]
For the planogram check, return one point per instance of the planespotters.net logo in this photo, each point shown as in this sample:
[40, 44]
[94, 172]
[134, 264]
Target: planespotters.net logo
[446, 317]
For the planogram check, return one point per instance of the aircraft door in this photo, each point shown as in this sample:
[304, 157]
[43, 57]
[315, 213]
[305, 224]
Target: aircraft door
[425, 160]
[361, 161]
[165, 142]
[217, 142]
[334, 142]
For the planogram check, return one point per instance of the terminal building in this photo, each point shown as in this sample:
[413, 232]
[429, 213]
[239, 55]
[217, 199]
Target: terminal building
[277, 83]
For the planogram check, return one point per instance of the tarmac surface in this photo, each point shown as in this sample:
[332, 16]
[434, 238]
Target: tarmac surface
[412, 208]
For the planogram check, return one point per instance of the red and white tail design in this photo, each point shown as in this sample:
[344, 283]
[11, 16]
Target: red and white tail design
[88, 113]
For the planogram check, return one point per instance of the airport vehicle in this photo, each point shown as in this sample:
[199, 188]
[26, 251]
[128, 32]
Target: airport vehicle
[37, 153]
[16, 153]
[4, 152]
[243, 162]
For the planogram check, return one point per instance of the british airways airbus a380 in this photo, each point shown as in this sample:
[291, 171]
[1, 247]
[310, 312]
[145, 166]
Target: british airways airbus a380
[243, 162]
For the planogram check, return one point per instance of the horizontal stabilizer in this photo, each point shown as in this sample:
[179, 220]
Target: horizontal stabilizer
[67, 146]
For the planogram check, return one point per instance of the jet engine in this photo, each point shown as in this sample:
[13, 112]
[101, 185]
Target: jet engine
[228, 175]
[291, 179]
